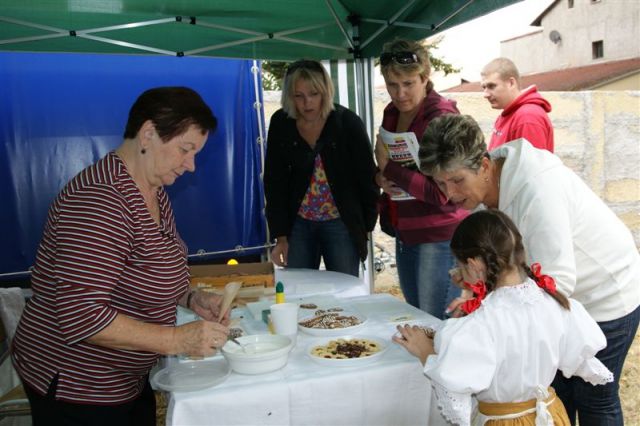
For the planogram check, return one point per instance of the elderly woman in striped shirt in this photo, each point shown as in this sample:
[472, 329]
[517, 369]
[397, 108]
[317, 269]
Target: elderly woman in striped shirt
[109, 272]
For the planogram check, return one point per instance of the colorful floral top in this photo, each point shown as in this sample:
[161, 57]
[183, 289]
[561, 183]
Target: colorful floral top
[318, 204]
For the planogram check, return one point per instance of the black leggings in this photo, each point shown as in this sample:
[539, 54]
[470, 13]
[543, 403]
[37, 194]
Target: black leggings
[46, 410]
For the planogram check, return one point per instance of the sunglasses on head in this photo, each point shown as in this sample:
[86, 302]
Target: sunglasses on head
[402, 58]
[304, 64]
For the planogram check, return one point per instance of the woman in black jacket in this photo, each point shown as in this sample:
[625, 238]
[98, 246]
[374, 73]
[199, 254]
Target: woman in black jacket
[319, 176]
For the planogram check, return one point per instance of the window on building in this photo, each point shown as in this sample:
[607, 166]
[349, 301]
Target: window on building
[570, 4]
[597, 49]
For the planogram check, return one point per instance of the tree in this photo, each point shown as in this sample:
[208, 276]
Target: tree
[273, 71]
[272, 74]
[438, 64]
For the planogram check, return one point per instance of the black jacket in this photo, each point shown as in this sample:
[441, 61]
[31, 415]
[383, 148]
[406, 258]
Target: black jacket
[348, 161]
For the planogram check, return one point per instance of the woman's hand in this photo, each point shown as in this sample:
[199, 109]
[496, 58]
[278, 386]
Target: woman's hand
[415, 341]
[280, 251]
[382, 158]
[207, 306]
[387, 185]
[200, 338]
[382, 155]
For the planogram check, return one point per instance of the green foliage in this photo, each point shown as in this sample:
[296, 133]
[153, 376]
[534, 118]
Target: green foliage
[438, 64]
[272, 74]
[273, 71]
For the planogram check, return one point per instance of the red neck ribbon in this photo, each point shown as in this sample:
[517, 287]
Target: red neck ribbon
[480, 291]
[545, 282]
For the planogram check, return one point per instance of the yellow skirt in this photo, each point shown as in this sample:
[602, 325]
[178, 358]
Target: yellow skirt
[555, 408]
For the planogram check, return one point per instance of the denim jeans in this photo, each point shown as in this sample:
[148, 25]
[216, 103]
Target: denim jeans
[423, 270]
[600, 405]
[311, 240]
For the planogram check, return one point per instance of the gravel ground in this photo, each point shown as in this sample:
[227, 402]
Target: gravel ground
[386, 281]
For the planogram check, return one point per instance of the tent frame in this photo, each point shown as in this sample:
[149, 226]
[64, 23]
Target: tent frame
[351, 36]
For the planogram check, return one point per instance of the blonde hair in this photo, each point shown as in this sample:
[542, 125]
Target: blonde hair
[505, 68]
[422, 67]
[314, 73]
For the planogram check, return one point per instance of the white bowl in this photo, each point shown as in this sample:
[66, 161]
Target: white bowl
[264, 353]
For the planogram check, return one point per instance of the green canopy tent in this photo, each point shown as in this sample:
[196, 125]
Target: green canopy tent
[273, 29]
[347, 32]
[258, 29]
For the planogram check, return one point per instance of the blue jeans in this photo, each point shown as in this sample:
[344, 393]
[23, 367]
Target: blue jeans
[310, 240]
[423, 270]
[600, 405]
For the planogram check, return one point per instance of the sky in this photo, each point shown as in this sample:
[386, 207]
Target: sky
[471, 45]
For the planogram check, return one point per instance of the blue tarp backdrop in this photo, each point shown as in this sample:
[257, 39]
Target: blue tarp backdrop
[61, 112]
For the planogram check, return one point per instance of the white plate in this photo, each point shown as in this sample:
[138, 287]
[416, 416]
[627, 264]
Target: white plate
[347, 362]
[192, 376]
[420, 323]
[333, 331]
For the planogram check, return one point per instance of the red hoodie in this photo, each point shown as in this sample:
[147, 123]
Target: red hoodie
[525, 117]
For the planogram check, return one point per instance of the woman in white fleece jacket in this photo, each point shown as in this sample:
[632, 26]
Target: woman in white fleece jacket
[566, 227]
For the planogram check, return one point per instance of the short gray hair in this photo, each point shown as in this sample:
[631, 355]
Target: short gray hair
[451, 142]
[313, 72]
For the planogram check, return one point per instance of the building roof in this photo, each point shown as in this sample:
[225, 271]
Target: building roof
[570, 79]
[538, 21]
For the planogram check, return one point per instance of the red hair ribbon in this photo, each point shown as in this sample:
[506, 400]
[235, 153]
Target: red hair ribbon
[480, 291]
[545, 282]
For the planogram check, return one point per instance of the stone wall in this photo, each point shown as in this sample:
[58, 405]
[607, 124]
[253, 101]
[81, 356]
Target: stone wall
[597, 134]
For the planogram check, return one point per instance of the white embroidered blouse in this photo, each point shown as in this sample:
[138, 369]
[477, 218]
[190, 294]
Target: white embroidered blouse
[509, 347]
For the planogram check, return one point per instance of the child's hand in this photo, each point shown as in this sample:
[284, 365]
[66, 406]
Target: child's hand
[415, 341]
[456, 277]
[454, 310]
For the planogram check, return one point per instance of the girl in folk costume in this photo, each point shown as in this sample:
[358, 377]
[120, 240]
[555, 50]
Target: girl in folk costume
[519, 330]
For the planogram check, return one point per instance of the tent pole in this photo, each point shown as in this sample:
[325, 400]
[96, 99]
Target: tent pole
[261, 141]
[365, 109]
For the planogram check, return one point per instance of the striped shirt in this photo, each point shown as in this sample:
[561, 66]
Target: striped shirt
[430, 217]
[101, 254]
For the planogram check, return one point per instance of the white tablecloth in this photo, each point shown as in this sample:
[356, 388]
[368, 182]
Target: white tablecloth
[391, 391]
[306, 282]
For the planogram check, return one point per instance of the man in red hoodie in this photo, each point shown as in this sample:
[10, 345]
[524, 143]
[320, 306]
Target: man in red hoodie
[524, 112]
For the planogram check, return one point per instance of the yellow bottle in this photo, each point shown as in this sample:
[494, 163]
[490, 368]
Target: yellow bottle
[279, 292]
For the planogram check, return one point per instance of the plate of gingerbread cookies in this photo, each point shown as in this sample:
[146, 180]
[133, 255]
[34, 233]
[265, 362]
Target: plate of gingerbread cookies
[331, 323]
[347, 351]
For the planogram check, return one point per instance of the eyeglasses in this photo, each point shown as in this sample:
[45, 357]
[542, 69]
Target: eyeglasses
[304, 64]
[402, 58]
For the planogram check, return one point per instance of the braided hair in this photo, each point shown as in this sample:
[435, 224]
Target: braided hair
[492, 236]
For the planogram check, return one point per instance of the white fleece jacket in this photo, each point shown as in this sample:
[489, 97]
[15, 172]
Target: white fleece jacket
[570, 231]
